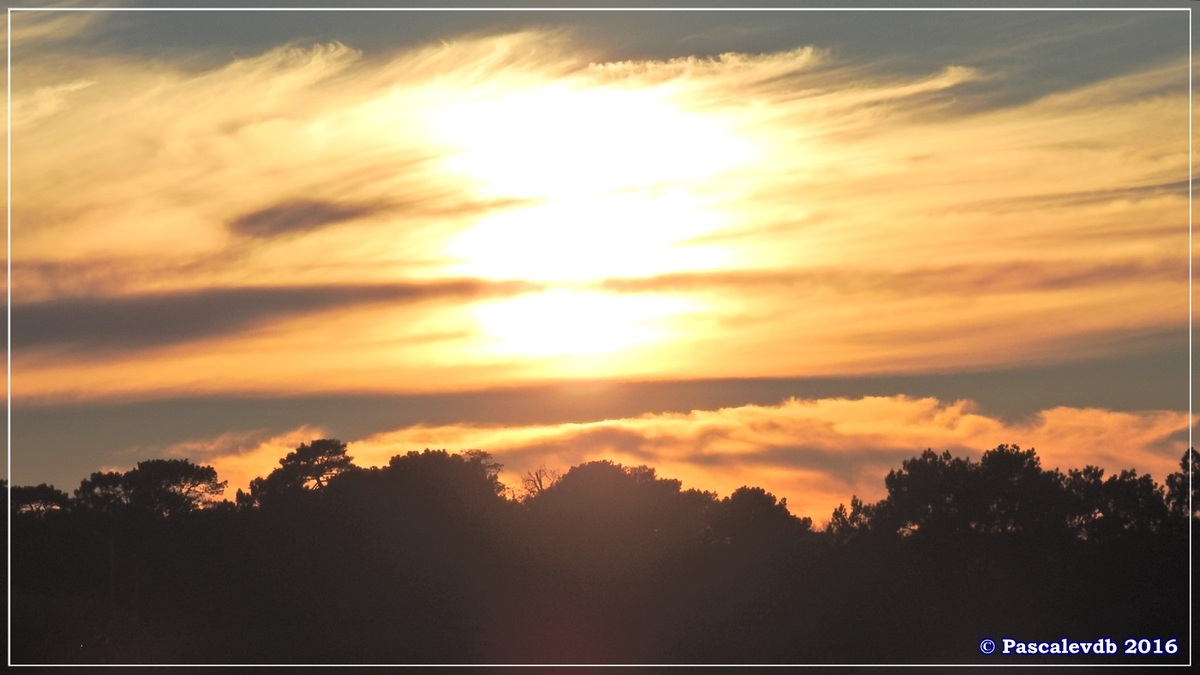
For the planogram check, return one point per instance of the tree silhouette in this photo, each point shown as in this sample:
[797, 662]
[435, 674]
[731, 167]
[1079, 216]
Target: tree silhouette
[1177, 486]
[846, 526]
[753, 515]
[425, 560]
[1123, 505]
[928, 497]
[936, 498]
[1014, 494]
[162, 487]
[172, 486]
[538, 481]
[39, 500]
[310, 467]
[103, 492]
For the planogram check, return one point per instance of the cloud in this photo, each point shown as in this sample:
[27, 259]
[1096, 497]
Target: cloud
[34, 30]
[816, 452]
[1173, 189]
[968, 280]
[746, 70]
[824, 215]
[46, 101]
[131, 323]
[294, 217]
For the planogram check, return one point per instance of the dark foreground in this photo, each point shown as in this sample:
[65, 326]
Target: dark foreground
[432, 560]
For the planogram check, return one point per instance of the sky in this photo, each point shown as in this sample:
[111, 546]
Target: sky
[786, 249]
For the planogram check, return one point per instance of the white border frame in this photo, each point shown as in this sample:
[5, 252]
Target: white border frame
[8, 335]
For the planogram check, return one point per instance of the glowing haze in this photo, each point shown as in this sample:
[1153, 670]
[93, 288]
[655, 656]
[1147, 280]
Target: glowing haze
[515, 207]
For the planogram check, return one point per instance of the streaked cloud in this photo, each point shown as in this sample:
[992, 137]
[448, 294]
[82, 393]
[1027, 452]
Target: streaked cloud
[93, 325]
[42, 29]
[966, 280]
[681, 183]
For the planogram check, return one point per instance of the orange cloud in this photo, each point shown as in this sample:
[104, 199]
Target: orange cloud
[816, 453]
[518, 157]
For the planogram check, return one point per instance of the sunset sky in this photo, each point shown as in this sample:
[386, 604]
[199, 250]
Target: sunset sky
[783, 249]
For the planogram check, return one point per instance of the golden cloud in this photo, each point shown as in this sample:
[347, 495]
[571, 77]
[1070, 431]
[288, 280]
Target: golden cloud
[817, 453]
[519, 157]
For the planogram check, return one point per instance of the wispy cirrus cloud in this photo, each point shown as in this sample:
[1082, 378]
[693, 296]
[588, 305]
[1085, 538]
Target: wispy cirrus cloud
[39, 30]
[967, 280]
[881, 223]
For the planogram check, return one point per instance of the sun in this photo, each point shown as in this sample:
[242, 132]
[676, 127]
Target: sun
[572, 323]
[565, 140]
[588, 239]
[602, 180]
[606, 181]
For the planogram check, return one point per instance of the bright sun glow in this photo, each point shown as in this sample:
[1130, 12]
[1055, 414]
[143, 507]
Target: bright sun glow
[561, 141]
[576, 323]
[585, 239]
[600, 172]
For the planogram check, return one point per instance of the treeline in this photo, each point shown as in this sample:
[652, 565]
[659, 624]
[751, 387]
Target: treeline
[431, 559]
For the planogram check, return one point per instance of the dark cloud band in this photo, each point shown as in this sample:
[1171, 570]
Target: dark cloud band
[296, 217]
[126, 323]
